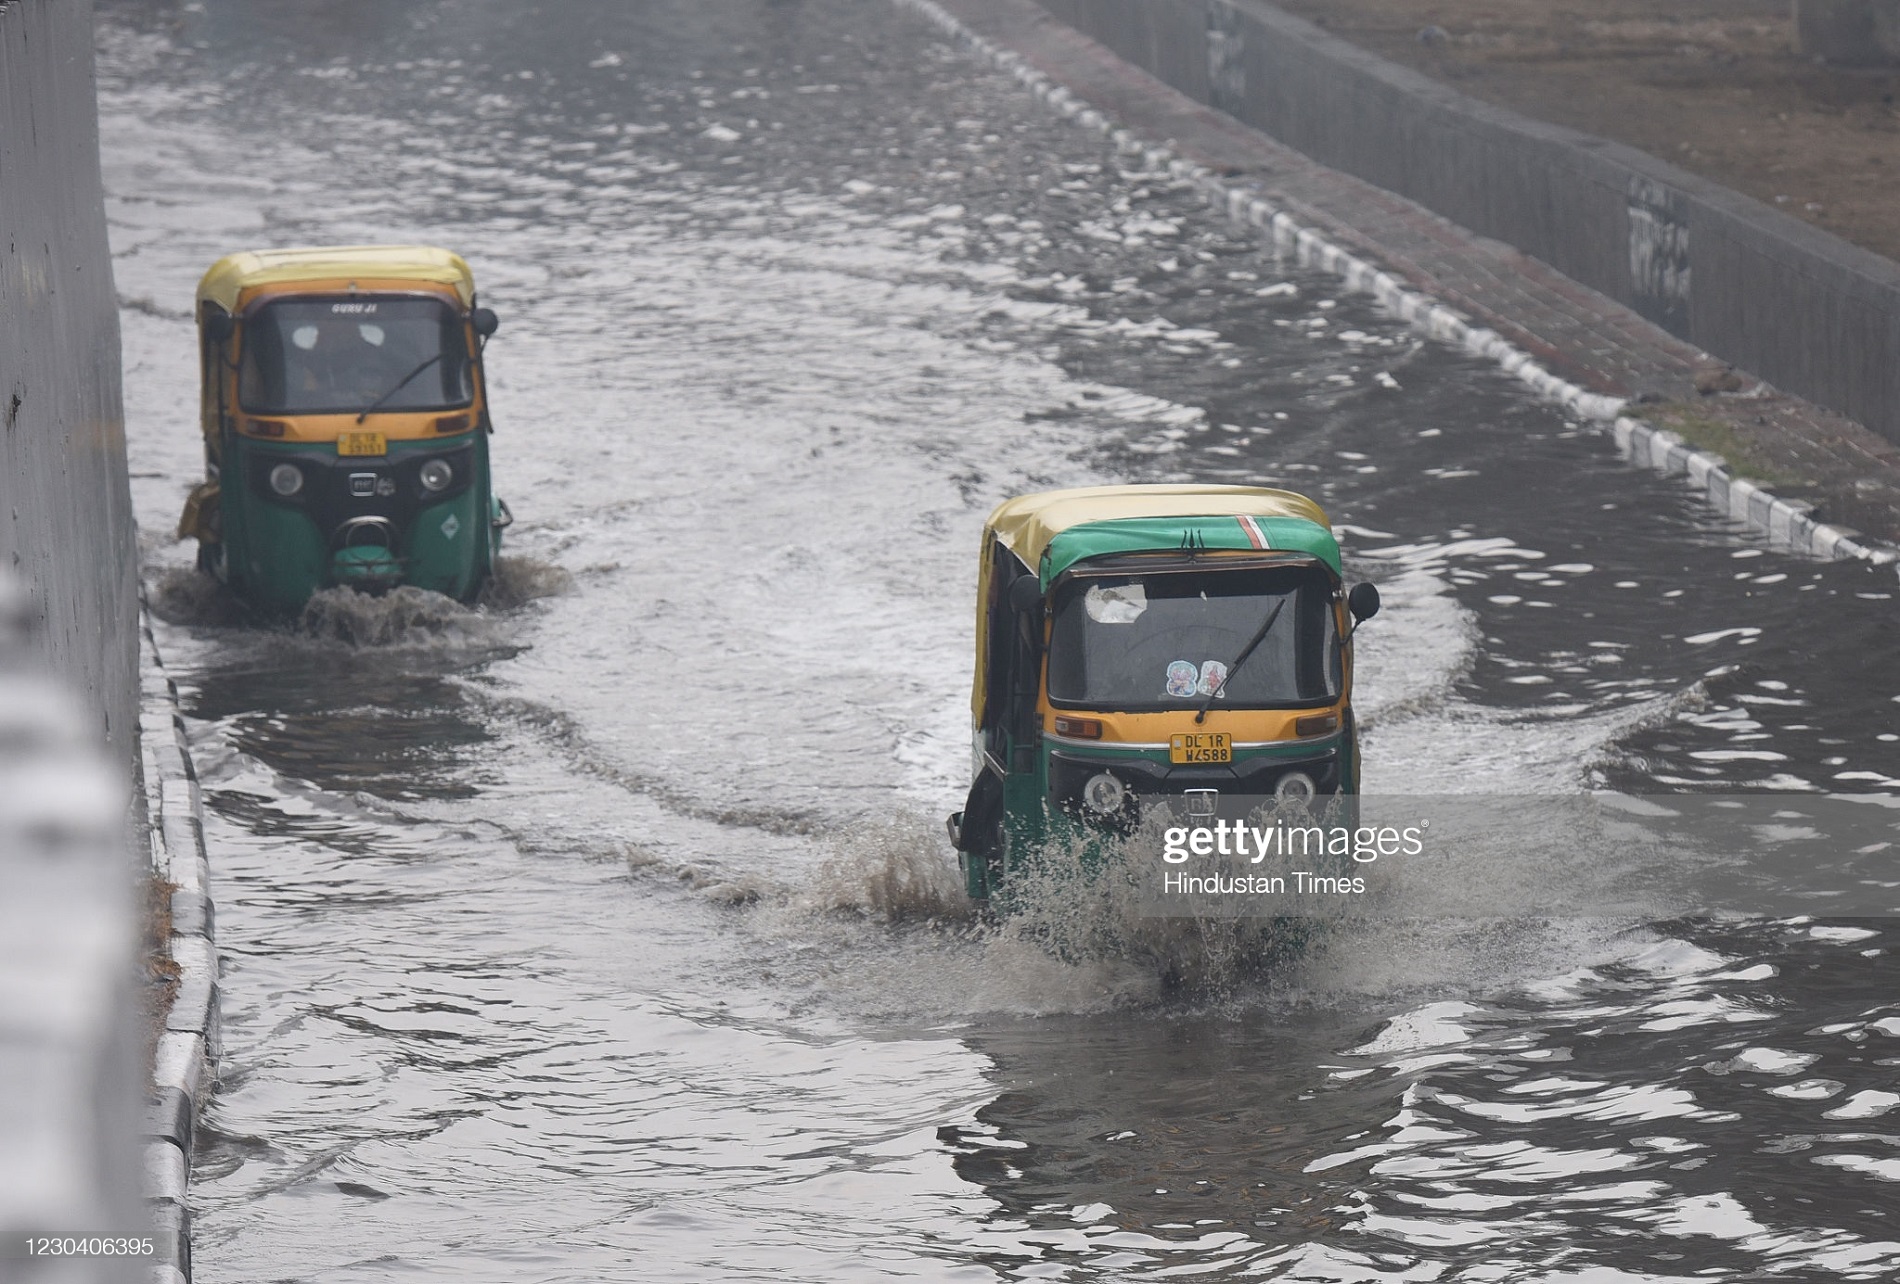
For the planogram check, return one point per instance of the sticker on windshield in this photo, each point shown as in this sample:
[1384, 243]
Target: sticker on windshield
[1182, 677]
[1213, 679]
[1116, 604]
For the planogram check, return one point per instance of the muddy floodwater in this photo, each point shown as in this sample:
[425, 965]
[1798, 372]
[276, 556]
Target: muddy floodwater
[608, 931]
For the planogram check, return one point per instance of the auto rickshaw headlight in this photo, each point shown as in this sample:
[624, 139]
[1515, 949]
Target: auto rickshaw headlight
[436, 475]
[1295, 787]
[1103, 794]
[286, 479]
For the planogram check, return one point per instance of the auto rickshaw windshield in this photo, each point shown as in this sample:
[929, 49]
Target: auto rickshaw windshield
[326, 356]
[1165, 641]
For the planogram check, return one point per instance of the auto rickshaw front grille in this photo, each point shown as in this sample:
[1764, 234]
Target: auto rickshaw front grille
[334, 492]
[1069, 772]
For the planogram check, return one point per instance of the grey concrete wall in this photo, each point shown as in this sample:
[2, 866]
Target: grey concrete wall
[69, 1035]
[1797, 306]
[1853, 33]
[65, 506]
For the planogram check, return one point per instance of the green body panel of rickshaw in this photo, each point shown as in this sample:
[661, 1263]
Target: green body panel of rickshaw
[276, 556]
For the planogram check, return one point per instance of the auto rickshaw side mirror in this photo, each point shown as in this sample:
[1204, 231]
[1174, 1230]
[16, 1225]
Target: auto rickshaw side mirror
[1363, 602]
[218, 325]
[1025, 594]
[485, 321]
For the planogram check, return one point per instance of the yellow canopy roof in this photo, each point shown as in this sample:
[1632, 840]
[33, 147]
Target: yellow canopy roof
[1027, 523]
[233, 274]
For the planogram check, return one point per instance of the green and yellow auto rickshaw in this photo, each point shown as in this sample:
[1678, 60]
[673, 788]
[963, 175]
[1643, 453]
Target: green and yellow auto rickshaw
[345, 420]
[1153, 644]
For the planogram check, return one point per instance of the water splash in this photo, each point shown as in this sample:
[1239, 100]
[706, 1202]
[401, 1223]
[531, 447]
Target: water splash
[1095, 903]
[184, 595]
[519, 580]
[404, 618]
[894, 871]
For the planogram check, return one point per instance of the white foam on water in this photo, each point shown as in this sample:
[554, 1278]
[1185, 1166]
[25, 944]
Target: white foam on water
[1676, 958]
[1435, 1025]
[1881, 1169]
[1808, 1090]
[1772, 1061]
[1870, 1103]
[1718, 1215]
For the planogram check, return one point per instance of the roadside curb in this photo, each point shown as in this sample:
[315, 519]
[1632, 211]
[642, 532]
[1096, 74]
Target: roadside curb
[1783, 523]
[184, 1066]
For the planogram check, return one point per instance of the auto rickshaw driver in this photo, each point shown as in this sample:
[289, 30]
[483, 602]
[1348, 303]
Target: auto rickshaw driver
[322, 373]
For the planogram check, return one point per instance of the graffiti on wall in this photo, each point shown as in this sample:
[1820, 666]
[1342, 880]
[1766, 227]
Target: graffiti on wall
[1659, 254]
[1226, 59]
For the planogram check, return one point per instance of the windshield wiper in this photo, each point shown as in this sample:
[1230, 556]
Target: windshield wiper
[378, 403]
[1200, 715]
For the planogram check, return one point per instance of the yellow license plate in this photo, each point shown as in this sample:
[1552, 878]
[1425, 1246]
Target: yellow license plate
[1200, 746]
[362, 443]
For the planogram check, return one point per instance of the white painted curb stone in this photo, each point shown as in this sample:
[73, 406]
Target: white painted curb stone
[185, 1060]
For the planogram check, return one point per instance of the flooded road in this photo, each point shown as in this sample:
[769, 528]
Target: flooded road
[608, 933]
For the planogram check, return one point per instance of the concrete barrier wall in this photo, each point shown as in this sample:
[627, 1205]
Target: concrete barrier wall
[69, 1119]
[65, 505]
[1854, 33]
[1799, 307]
